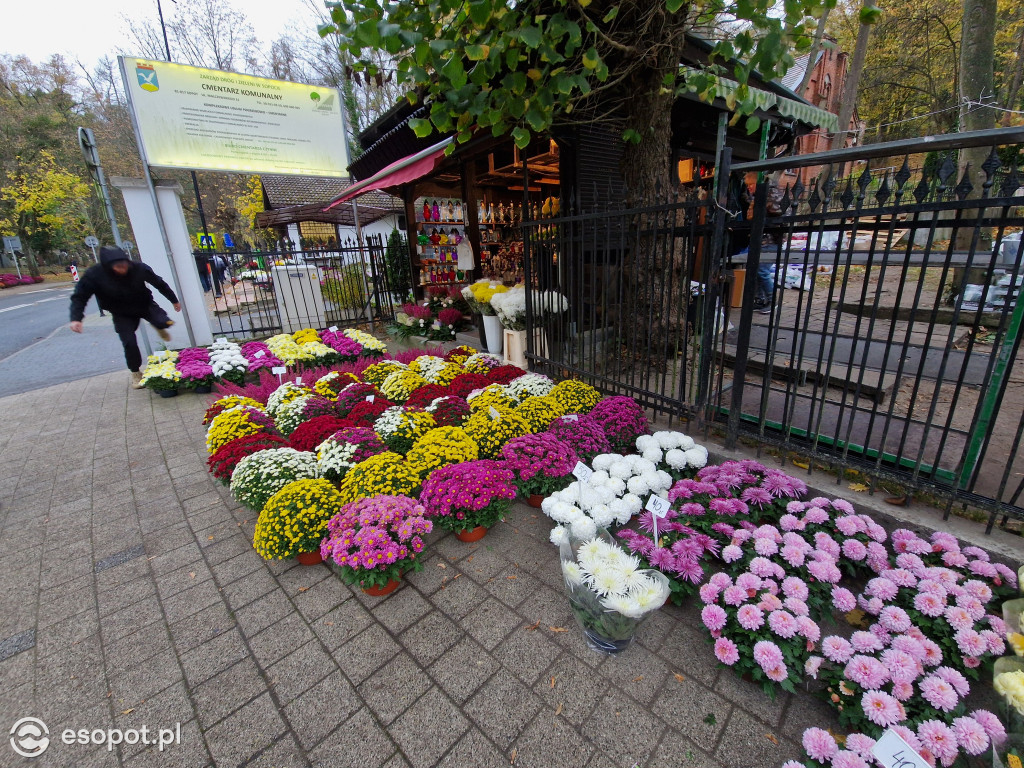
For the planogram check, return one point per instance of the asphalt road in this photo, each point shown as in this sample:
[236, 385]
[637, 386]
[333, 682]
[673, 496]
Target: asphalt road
[37, 349]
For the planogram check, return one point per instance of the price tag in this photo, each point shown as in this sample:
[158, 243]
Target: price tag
[658, 506]
[298, 379]
[370, 398]
[893, 752]
[279, 371]
[572, 417]
[495, 415]
[260, 354]
[582, 472]
[333, 329]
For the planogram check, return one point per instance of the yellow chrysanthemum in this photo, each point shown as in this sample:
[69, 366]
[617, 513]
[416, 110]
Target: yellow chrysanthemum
[330, 384]
[441, 447]
[575, 396]
[295, 519]
[493, 396]
[378, 372]
[400, 384]
[386, 474]
[230, 425]
[539, 412]
[490, 433]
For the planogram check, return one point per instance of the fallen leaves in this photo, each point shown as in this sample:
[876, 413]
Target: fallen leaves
[772, 739]
[679, 678]
[802, 464]
[127, 711]
[858, 487]
[638, 678]
[513, 756]
[553, 682]
[558, 629]
[512, 577]
[532, 627]
[559, 710]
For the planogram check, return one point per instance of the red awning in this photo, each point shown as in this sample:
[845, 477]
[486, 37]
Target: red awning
[399, 172]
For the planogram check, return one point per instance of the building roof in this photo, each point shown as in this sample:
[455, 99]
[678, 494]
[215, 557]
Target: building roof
[292, 199]
[289, 191]
[796, 72]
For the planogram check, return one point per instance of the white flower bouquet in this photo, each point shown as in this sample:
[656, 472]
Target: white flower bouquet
[608, 591]
[510, 307]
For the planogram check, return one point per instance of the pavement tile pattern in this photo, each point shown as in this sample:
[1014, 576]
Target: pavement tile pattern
[131, 596]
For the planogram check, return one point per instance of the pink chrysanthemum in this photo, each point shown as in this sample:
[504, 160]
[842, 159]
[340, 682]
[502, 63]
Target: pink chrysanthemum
[783, 624]
[970, 735]
[865, 642]
[843, 599]
[929, 604]
[734, 595]
[796, 606]
[970, 643]
[903, 691]
[809, 628]
[819, 744]
[854, 550]
[767, 654]
[938, 738]
[726, 651]
[938, 693]
[795, 587]
[882, 588]
[750, 617]
[860, 743]
[894, 619]
[714, 617]
[847, 759]
[881, 708]
[992, 725]
[867, 672]
[902, 666]
[955, 679]
[837, 649]
[748, 581]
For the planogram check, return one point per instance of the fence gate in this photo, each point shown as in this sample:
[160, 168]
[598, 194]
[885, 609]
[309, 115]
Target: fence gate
[268, 292]
[889, 341]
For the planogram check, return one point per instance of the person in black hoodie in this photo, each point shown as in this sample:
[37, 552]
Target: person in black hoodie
[119, 285]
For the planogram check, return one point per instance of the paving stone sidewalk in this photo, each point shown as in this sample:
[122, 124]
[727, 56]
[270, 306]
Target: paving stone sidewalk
[130, 595]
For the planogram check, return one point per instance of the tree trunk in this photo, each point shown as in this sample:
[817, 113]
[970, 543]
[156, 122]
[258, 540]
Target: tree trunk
[1015, 81]
[853, 73]
[646, 169]
[812, 55]
[977, 53]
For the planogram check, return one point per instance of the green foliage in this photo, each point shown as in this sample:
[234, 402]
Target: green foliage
[396, 265]
[346, 288]
[517, 69]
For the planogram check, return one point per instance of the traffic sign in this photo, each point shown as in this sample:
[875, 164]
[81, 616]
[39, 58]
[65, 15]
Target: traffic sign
[74, 273]
[92, 241]
[12, 244]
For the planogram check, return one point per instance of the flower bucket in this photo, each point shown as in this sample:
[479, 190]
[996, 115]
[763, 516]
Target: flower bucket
[1011, 698]
[471, 534]
[606, 630]
[310, 558]
[515, 348]
[535, 500]
[1013, 612]
[387, 589]
[493, 329]
[167, 392]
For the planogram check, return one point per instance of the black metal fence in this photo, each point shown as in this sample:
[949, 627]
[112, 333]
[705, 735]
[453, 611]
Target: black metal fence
[268, 292]
[878, 324]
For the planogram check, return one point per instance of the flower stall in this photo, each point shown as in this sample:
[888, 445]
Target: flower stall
[892, 629]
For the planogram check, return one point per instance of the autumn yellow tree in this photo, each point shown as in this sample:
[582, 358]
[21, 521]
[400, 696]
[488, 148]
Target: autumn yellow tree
[45, 205]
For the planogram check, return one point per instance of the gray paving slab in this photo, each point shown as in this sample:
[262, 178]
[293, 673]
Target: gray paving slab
[131, 595]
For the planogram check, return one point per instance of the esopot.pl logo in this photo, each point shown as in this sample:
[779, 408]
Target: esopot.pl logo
[30, 737]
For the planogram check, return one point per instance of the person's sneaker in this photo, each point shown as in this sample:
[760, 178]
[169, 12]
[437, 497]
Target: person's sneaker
[762, 307]
[163, 334]
[136, 379]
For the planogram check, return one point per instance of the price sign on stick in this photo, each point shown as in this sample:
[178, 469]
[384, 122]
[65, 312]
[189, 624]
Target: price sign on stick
[658, 508]
[279, 372]
[582, 472]
[893, 752]
[260, 354]
[333, 329]
[495, 414]
[370, 398]
[298, 379]
[572, 417]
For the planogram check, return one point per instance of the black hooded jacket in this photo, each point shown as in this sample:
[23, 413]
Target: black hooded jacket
[118, 295]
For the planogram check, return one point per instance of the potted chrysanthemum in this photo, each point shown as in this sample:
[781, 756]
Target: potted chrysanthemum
[542, 465]
[469, 498]
[373, 541]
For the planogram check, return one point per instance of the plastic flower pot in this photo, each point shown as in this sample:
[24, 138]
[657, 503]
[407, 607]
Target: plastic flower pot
[387, 589]
[204, 389]
[310, 558]
[167, 392]
[471, 534]
[535, 500]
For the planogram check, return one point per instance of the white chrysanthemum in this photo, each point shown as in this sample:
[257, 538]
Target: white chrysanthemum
[624, 605]
[616, 485]
[600, 477]
[654, 454]
[666, 439]
[584, 527]
[648, 596]
[685, 442]
[602, 515]
[676, 458]
[642, 465]
[606, 581]
[289, 415]
[646, 442]
[590, 552]
[661, 481]
[638, 485]
[559, 534]
[620, 469]
[530, 385]
[634, 579]
[604, 460]
[573, 574]
[697, 456]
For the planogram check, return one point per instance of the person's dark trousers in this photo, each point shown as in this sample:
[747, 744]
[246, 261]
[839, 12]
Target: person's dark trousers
[126, 325]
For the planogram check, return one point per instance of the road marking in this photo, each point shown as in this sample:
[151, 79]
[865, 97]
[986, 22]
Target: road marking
[40, 301]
